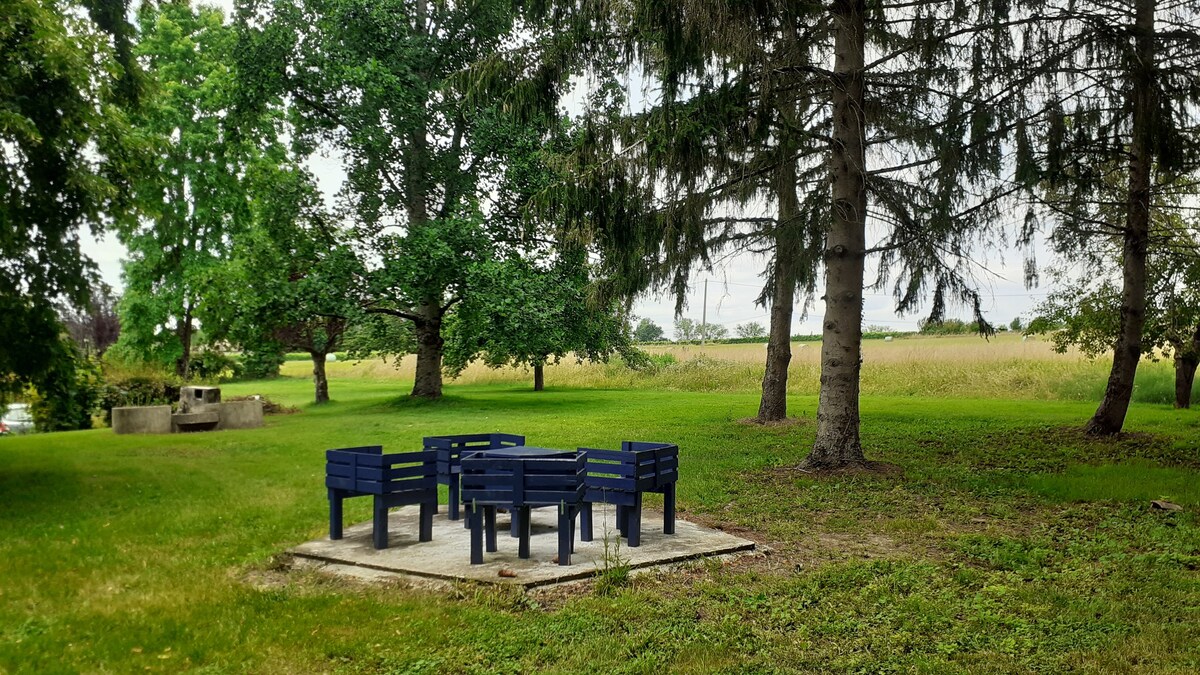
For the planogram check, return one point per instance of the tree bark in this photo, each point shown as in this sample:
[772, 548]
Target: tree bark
[428, 380]
[539, 377]
[837, 443]
[320, 382]
[773, 406]
[183, 366]
[1187, 358]
[1185, 376]
[1110, 415]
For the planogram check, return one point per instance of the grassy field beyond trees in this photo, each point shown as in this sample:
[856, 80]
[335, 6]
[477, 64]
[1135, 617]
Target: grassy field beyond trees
[1010, 542]
[961, 366]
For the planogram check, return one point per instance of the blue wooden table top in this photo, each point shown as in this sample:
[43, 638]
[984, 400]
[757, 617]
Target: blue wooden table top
[520, 451]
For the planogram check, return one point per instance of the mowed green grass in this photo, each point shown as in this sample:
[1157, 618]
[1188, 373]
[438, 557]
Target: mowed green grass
[1010, 544]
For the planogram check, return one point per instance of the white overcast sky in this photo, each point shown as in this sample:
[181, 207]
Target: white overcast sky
[732, 287]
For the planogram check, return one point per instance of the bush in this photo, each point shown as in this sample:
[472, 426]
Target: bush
[214, 366]
[260, 363]
[136, 384]
[67, 395]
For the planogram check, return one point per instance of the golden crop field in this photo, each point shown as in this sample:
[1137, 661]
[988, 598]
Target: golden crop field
[969, 366]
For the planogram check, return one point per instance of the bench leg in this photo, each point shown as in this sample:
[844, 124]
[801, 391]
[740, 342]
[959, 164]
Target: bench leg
[425, 529]
[475, 521]
[634, 528]
[669, 508]
[335, 514]
[585, 522]
[489, 528]
[453, 505]
[566, 519]
[515, 526]
[522, 514]
[623, 520]
[380, 525]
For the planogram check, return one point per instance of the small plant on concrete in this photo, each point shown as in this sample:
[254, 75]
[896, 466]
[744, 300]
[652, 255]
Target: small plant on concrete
[614, 570]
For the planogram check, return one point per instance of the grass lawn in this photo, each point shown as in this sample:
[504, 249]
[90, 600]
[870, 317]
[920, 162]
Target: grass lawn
[1010, 544]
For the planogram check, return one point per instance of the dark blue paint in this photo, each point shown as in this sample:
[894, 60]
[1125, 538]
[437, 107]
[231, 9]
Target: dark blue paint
[621, 477]
[392, 480]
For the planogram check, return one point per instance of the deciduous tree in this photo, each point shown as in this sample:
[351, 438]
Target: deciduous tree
[66, 152]
[647, 331]
[751, 329]
[409, 93]
[193, 200]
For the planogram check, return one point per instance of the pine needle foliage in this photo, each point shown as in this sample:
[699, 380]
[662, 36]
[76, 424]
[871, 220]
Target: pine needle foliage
[884, 122]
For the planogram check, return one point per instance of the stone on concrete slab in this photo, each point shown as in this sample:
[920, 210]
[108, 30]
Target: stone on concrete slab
[154, 419]
[241, 415]
[448, 556]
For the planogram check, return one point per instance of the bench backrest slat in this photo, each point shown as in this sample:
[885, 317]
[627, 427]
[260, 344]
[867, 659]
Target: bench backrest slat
[368, 470]
[522, 481]
[637, 467]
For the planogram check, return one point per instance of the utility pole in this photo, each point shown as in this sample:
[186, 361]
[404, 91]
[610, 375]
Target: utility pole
[704, 314]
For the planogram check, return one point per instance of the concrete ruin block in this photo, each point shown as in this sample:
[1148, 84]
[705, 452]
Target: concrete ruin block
[195, 421]
[241, 415]
[193, 399]
[155, 419]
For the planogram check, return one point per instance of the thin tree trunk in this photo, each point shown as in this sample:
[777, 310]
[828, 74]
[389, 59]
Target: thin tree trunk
[773, 406]
[1185, 377]
[539, 377]
[1187, 358]
[183, 366]
[320, 382]
[1110, 416]
[428, 380]
[837, 443]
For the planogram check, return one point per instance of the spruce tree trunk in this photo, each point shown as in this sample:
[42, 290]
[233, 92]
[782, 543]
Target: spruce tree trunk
[773, 406]
[1110, 416]
[539, 377]
[320, 382]
[428, 380]
[837, 444]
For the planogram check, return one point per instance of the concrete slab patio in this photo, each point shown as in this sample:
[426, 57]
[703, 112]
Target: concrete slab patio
[447, 557]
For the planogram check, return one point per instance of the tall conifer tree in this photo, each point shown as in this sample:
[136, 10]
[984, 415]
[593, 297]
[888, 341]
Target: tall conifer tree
[886, 124]
[1120, 87]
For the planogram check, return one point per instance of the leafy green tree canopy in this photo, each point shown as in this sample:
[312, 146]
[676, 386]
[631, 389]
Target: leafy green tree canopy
[647, 331]
[195, 199]
[66, 152]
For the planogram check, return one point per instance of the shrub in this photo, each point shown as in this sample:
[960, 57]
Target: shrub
[214, 366]
[66, 397]
[136, 384]
[260, 363]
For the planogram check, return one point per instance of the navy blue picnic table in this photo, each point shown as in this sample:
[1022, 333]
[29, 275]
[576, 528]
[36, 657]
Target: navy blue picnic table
[519, 452]
[519, 478]
[528, 451]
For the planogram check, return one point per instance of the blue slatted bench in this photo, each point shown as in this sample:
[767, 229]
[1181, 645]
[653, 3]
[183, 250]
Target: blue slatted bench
[397, 479]
[450, 450]
[621, 477]
[519, 483]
